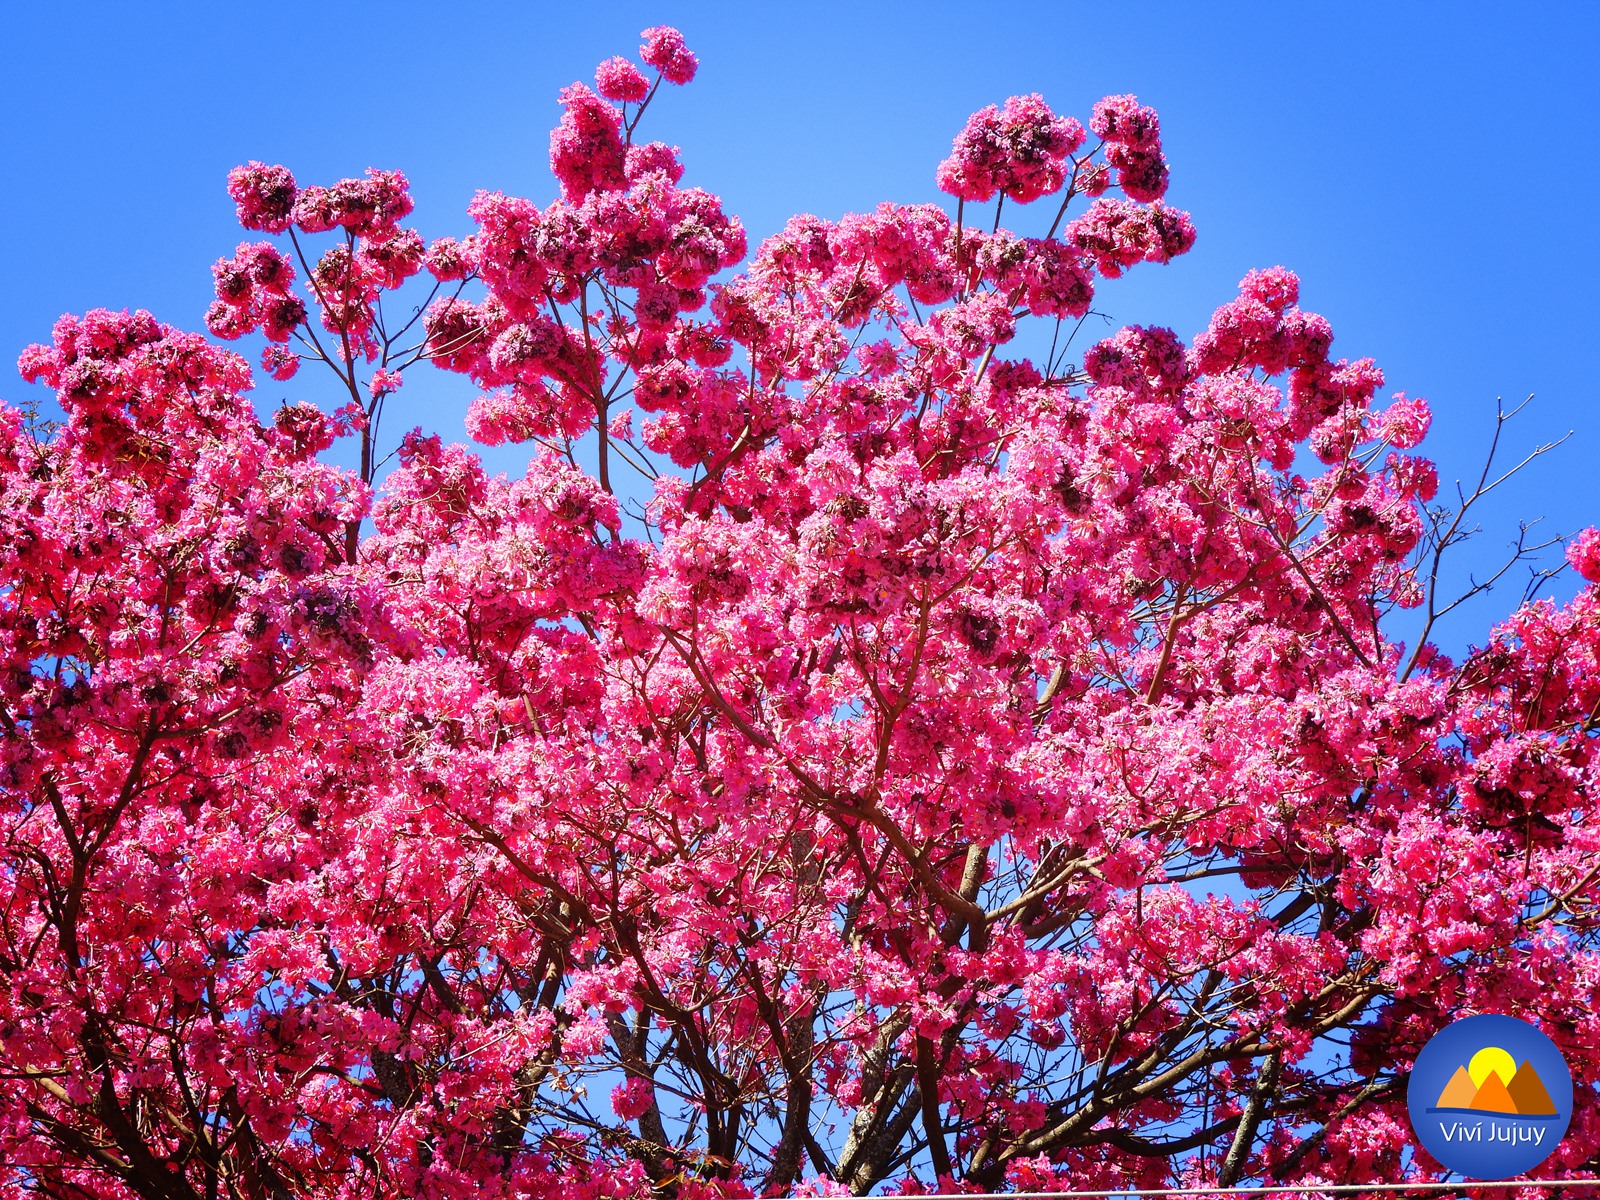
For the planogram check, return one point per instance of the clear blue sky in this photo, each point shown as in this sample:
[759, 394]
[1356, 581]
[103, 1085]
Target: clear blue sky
[1430, 170]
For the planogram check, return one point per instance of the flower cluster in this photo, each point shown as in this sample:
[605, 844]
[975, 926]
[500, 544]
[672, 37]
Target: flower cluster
[1021, 150]
[254, 287]
[1583, 552]
[254, 292]
[1132, 135]
[664, 50]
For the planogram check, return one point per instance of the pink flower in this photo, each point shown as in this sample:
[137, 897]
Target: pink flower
[349, 418]
[233, 282]
[1020, 150]
[632, 1097]
[586, 151]
[281, 316]
[1142, 174]
[1583, 552]
[648, 157]
[448, 259]
[619, 79]
[393, 259]
[1139, 360]
[664, 50]
[227, 321]
[1124, 121]
[1405, 422]
[264, 195]
[384, 382]
[365, 206]
[280, 362]
[1276, 287]
[1114, 235]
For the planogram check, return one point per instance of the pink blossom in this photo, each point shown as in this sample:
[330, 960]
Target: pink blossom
[384, 382]
[1275, 287]
[1405, 422]
[1020, 150]
[586, 150]
[647, 157]
[1583, 552]
[1124, 121]
[448, 259]
[280, 362]
[618, 79]
[664, 50]
[1142, 174]
[1115, 235]
[265, 196]
[632, 1098]
[372, 205]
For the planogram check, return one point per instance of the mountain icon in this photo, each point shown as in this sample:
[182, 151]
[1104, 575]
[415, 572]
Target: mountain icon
[1523, 1096]
[1459, 1092]
[1527, 1093]
[1493, 1096]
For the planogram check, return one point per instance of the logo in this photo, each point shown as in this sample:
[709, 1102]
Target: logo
[1490, 1097]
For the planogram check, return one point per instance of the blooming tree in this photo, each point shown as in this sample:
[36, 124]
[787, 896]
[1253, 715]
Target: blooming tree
[857, 753]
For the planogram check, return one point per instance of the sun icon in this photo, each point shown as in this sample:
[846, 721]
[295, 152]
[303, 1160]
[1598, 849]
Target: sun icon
[1491, 1059]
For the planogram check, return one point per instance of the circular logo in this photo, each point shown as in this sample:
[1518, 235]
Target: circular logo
[1490, 1097]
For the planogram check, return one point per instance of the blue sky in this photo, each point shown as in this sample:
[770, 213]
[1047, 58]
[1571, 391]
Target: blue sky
[1428, 169]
